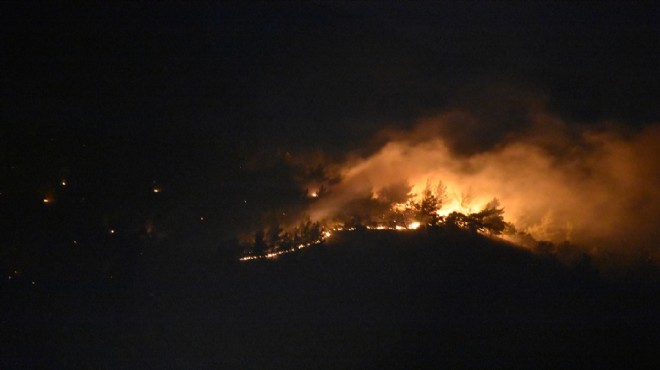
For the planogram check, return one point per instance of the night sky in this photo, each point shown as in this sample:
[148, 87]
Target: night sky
[117, 98]
[184, 122]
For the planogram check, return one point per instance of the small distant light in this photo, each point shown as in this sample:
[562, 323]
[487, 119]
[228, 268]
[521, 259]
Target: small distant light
[9, 277]
[75, 242]
[46, 200]
[111, 231]
[63, 183]
[201, 218]
[33, 283]
[314, 195]
[156, 190]
[245, 201]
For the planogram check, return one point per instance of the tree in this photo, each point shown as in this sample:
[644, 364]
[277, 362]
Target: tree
[307, 232]
[259, 246]
[427, 209]
[275, 235]
[457, 220]
[490, 219]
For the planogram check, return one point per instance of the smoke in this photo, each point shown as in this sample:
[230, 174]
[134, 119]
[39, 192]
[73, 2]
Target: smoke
[597, 188]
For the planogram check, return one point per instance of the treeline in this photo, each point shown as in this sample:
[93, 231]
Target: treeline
[397, 207]
[275, 239]
[394, 207]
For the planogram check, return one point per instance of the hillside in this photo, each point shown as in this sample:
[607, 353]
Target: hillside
[363, 299]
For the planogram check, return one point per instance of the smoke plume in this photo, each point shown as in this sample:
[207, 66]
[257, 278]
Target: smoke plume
[597, 188]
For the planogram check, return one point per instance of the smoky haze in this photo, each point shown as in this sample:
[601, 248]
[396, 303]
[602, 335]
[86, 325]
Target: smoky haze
[592, 185]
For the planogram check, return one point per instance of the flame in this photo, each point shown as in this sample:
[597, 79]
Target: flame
[414, 225]
[554, 182]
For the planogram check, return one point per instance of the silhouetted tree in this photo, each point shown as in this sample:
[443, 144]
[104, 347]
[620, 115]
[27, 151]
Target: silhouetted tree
[307, 232]
[285, 243]
[314, 232]
[427, 209]
[490, 219]
[275, 235]
[259, 246]
[457, 220]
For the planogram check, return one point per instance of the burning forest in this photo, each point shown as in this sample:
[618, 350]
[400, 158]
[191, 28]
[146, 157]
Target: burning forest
[544, 185]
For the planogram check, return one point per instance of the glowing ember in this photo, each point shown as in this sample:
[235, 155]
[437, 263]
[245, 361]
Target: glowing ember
[273, 255]
[47, 200]
[156, 190]
[414, 225]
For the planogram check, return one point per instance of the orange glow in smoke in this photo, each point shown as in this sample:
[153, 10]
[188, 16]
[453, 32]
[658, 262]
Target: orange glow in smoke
[594, 189]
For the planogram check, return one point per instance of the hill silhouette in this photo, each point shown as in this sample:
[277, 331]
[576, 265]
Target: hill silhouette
[362, 299]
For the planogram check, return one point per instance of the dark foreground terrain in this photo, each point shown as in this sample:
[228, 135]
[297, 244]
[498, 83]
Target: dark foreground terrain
[367, 300]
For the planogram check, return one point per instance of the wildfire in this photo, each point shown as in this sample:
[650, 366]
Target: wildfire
[273, 255]
[325, 235]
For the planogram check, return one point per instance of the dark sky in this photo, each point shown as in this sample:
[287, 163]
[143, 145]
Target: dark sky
[182, 71]
[182, 93]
